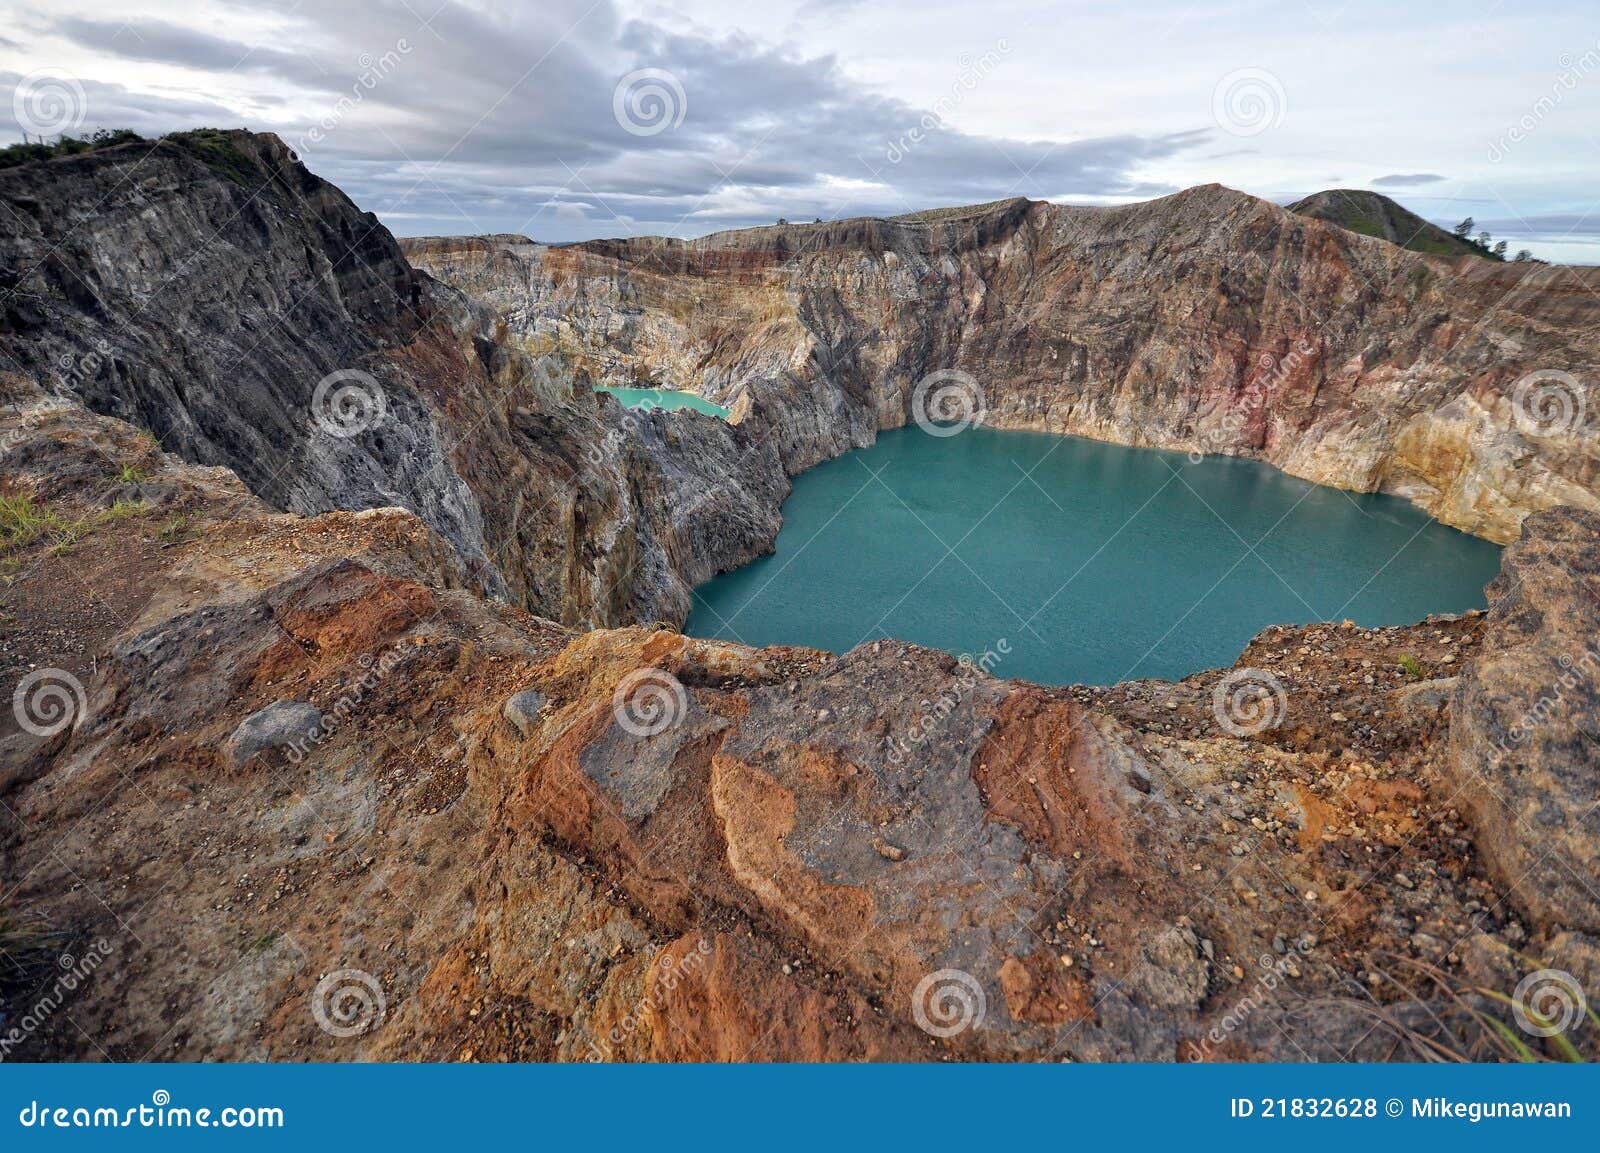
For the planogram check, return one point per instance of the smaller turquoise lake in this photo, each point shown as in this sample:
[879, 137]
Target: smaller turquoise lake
[666, 399]
[1093, 562]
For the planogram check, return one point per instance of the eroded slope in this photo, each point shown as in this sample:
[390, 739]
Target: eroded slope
[321, 800]
[1207, 321]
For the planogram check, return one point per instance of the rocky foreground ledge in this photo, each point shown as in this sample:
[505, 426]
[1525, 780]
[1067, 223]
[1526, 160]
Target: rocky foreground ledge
[300, 792]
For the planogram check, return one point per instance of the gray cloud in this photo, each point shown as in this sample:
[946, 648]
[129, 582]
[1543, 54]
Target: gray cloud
[1407, 179]
[114, 106]
[816, 8]
[162, 43]
[1545, 226]
[503, 120]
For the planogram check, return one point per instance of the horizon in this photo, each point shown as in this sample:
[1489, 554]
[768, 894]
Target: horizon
[599, 119]
[784, 222]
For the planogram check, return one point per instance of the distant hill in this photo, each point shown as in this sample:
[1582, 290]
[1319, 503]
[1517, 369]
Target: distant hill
[1373, 214]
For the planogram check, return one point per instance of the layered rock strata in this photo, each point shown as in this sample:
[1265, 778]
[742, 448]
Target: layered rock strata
[211, 290]
[1209, 321]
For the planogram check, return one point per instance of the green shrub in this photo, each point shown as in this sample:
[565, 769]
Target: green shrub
[29, 153]
[218, 150]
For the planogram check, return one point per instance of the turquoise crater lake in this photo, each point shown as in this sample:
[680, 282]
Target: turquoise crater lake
[1093, 562]
[669, 400]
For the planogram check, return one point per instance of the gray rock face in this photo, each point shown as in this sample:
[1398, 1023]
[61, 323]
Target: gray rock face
[1525, 723]
[1207, 321]
[213, 291]
[523, 709]
[1426, 697]
[280, 725]
[208, 296]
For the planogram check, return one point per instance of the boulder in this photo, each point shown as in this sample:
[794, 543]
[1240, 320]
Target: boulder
[523, 709]
[279, 725]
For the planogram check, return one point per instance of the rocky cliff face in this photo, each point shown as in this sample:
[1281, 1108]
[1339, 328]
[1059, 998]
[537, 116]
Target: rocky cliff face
[1208, 321]
[281, 781]
[1523, 737]
[309, 796]
[211, 290]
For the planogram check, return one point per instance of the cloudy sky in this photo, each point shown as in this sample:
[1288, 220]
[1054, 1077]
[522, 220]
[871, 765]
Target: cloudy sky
[566, 119]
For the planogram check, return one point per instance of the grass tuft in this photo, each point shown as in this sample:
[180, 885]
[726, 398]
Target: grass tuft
[1459, 1024]
[24, 521]
[176, 530]
[23, 940]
